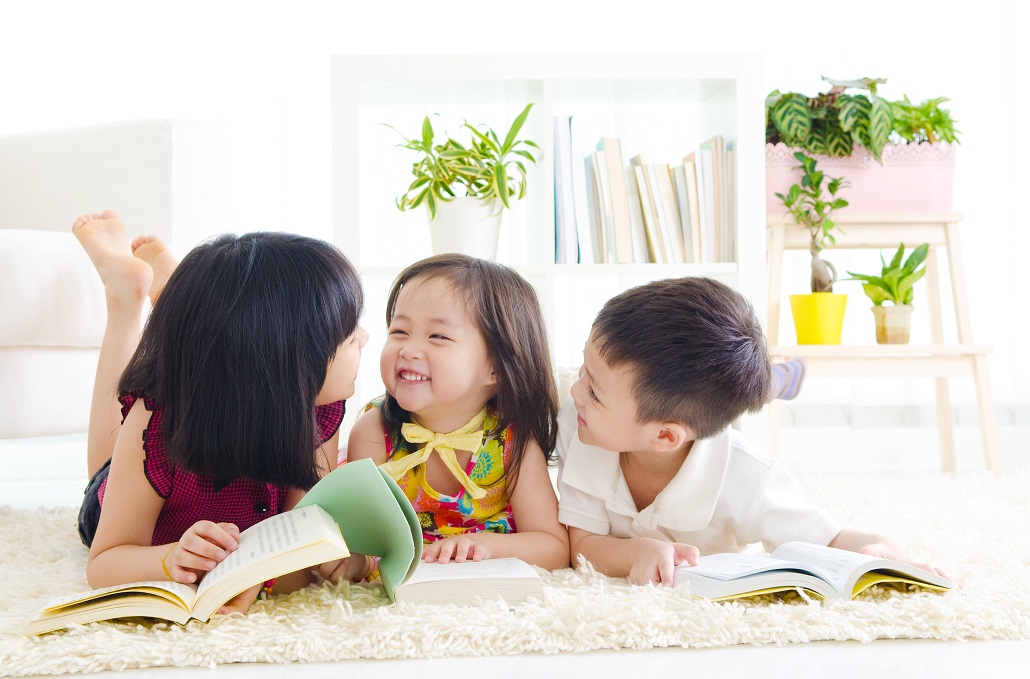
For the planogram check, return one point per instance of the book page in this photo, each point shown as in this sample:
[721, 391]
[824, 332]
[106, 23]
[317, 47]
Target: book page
[275, 535]
[839, 565]
[506, 568]
[176, 592]
[848, 568]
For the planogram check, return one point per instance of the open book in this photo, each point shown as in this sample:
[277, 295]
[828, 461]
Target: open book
[461, 583]
[357, 500]
[823, 571]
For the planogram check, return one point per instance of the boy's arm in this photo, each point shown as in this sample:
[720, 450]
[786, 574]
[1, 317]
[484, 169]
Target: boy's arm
[880, 546]
[642, 560]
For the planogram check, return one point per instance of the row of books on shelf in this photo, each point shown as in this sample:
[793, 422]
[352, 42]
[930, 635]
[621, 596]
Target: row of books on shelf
[610, 211]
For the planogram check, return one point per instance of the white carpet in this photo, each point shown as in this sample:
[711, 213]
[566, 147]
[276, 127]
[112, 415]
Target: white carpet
[977, 528]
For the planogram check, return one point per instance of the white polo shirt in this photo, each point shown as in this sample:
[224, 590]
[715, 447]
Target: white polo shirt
[724, 497]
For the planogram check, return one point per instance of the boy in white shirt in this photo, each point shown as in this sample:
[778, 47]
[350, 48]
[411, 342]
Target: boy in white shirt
[650, 474]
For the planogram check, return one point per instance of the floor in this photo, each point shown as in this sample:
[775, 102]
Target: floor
[32, 476]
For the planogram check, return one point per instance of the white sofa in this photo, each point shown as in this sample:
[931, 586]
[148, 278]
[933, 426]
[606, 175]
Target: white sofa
[163, 176]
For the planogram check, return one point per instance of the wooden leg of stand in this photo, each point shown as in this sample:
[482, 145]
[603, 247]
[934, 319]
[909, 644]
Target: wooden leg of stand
[945, 425]
[988, 419]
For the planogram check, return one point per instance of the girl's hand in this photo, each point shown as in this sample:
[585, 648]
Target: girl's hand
[202, 547]
[241, 602]
[354, 568]
[656, 560]
[460, 547]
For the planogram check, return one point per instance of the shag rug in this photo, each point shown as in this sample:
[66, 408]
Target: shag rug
[976, 528]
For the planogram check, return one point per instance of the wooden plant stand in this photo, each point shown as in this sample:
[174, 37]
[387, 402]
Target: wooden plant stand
[937, 360]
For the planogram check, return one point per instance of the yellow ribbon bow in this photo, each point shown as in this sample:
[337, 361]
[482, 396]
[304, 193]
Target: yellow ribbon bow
[469, 437]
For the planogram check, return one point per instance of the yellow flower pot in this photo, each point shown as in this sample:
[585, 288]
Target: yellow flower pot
[818, 317]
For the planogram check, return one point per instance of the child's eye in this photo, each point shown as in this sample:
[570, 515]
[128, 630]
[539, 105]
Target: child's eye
[592, 395]
[438, 336]
[398, 333]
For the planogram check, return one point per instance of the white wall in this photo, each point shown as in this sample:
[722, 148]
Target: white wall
[264, 77]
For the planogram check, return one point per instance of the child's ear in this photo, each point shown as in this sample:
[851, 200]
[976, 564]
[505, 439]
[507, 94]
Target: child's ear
[672, 436]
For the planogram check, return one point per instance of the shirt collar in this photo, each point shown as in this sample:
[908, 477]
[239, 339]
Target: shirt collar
[687, 504]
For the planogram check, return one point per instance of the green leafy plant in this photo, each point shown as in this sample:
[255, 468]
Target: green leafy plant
[833, 122]
[812, 204]
[485, 168]
[894, 284]
[926, 121]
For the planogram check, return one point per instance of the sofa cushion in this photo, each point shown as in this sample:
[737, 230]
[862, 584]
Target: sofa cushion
[50, 294]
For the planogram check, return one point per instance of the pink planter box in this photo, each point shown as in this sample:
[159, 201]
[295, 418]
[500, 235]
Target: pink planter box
[913, 177]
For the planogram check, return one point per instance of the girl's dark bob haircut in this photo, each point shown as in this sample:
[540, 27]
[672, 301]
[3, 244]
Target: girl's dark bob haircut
[236, 350]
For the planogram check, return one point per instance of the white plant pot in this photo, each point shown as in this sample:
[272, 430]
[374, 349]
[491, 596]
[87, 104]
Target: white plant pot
[466, 225]
[893, 323]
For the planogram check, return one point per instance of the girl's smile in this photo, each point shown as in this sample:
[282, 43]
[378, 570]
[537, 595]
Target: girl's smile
[435, 361]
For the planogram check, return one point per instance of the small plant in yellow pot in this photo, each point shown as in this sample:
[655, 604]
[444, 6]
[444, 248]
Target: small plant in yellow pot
[894, 285]
[819, 316]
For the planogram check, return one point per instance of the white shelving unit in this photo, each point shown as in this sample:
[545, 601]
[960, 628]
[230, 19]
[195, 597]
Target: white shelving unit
[659, 105]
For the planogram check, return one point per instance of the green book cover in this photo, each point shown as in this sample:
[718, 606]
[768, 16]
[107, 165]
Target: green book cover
[374, 517]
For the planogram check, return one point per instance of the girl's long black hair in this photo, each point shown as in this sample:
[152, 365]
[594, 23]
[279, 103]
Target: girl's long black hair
[236, 349]
[505, 309]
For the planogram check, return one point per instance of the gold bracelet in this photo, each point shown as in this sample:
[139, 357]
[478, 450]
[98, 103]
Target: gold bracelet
[164, 567]
[374, 573]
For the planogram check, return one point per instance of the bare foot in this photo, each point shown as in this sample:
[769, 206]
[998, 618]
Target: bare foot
[104, 238]
[154, 252]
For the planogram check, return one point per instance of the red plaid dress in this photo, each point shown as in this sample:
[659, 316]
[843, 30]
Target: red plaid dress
[190, 498]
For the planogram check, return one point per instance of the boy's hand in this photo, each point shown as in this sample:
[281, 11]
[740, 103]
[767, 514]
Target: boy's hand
[202, 547]
[460, 547]
[656, 560]
[886, 550]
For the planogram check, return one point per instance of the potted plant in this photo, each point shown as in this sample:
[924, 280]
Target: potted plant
[894, 285]
[897, 155]
[819, 316]
[465, 186]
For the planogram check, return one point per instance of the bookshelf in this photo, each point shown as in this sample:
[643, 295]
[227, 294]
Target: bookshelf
[663, 105]
[939, 360]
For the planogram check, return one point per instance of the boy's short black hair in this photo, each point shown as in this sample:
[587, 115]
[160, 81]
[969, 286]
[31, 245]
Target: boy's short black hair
[695, 348]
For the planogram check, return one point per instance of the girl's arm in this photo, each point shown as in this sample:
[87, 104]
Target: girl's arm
[642, 560]
[121, 551]
[540, 539]
[367, 439]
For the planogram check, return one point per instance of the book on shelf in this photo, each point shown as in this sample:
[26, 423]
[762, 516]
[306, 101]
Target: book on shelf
[618, 195]
[649, 213]
[641, 249]
[510, 579]
[566, 236]
[670, 208]
[685, 181]
[709, 216]
[731, 203]
[357, 500]
[712, 154]
[822, 571]
[588, 250]
[603, 222]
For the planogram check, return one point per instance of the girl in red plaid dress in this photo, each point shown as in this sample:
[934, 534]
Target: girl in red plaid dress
[226, 408]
